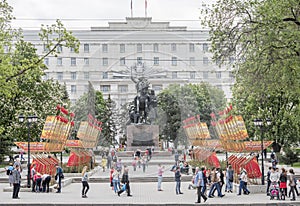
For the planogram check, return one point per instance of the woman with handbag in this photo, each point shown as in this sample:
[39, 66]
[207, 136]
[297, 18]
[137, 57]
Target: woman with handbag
[292, 183]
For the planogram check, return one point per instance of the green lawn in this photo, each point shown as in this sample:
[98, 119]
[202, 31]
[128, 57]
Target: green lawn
[296, 165]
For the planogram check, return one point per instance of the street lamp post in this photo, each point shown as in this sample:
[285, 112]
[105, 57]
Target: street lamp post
[259, 123]
[29, 119]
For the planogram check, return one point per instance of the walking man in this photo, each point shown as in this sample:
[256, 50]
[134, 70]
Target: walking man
[125, 181]
[178, 180]
[199, 183]
[16, 182]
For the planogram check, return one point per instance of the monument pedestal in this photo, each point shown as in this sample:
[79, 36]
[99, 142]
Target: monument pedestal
[141, 136]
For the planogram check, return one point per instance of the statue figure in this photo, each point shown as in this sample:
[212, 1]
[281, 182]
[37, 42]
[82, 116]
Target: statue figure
[144, 102]
[152, 106]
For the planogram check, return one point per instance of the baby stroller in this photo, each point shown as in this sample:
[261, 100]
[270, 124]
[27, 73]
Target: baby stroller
[274, 191]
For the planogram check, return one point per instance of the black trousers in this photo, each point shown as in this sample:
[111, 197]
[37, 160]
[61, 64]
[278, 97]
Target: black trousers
[127, 189]
[200, 194]
[85, 187]
[59, 185]
[16, 190]
[46, 183]
[38, 184]
[33, 185]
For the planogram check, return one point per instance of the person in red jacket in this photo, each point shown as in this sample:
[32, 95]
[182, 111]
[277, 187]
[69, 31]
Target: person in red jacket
[38, 180]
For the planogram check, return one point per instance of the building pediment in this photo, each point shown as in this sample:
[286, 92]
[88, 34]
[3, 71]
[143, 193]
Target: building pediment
[139, 23]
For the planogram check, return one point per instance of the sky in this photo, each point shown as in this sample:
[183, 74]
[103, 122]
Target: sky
[78, 14]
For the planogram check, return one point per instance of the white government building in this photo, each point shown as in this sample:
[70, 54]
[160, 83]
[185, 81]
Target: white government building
[164, 54]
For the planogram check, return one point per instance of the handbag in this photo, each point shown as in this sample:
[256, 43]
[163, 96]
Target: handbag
[124, 187]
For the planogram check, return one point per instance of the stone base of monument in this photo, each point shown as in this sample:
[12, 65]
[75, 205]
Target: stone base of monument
[141, 136]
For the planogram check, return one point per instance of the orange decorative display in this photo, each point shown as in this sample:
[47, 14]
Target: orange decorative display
[45, 164]
[247, 162]
[78, 158]
[194, 129]
[34, 146]
[204, 155]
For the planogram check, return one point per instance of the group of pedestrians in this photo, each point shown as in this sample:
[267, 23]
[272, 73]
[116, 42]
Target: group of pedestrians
[282, 180]
[120, 182]
[40, 182]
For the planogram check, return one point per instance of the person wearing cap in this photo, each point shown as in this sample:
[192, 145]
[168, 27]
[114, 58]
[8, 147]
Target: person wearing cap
[243, 182]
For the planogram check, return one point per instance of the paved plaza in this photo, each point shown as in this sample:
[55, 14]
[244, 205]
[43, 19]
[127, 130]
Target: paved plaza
[144, 193]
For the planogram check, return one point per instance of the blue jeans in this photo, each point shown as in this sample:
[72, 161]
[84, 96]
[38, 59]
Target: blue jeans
[116, 184]
[228, 185]
[216, 186]
[204, 189]
[178, 187]
[243, 187]
[159, 180]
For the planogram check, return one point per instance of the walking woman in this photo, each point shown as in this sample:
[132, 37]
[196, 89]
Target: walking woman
[84, 180]
[283, 185]
[292, 183]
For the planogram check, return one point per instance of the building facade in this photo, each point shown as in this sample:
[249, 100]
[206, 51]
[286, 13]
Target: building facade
[110, 56]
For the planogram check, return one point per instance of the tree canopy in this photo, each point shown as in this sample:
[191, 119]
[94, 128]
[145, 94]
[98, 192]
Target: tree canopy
[263, 39]
[176, 103]
[104, 111]
[22, 88]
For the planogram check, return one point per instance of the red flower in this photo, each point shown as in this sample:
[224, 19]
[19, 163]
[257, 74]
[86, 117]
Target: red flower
[63, 110]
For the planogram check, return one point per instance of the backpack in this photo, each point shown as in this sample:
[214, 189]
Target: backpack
[8, 172]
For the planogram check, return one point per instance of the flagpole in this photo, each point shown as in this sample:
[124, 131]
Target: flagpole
[145, 8]
[131, 9]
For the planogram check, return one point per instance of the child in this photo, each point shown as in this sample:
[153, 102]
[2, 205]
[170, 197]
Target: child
[134, 164]
[103, 163]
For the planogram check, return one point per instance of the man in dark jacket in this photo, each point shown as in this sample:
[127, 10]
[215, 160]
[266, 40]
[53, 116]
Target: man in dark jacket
[58, 177]
[178, 180]
[125, 181]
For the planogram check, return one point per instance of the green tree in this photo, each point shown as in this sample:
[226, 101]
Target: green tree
[177, 103]
[290, 157]
[109, 128]
[22, 90]
[263, 38]
[104, 112]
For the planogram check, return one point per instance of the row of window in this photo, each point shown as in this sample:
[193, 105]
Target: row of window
[121, 89]
[86, 75]
[105, 62]
[139, 48]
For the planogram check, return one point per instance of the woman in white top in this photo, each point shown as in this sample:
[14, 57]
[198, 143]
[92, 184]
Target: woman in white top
[84, 180]
[116, 180]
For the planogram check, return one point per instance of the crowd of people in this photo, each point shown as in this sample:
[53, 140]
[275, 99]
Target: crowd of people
[39, 182]
[209, 182]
